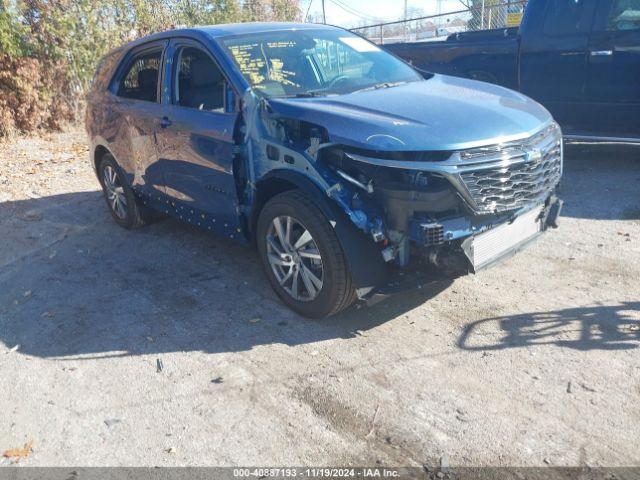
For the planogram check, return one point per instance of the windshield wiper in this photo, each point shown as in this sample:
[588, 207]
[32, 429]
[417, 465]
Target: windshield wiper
[378, 86]
[302, 95]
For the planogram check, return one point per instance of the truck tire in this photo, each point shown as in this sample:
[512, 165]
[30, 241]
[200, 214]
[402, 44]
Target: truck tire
[302, 256]
[119, 195]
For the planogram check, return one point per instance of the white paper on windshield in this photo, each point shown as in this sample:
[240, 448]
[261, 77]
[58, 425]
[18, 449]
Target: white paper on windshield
[359, 44]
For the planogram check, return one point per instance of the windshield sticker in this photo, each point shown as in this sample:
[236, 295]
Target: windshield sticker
[281, 44]
[259, 64]
[359, 44]
[250, 66]
[277, 73]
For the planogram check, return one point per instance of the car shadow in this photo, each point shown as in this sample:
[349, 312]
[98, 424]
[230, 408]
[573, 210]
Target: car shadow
[601, 327]
[74, 284]
[601, 182]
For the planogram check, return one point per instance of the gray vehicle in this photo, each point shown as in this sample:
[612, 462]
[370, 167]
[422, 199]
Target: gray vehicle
[340, 162]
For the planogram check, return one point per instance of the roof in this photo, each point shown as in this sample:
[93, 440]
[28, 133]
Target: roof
[223, 30]
[258, 27]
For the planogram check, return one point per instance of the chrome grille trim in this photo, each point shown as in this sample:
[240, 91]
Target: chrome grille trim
[515, 174]
[473, 171]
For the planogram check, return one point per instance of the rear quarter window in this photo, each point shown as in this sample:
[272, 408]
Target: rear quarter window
[141, 76]
[624, 15]
[105, 70]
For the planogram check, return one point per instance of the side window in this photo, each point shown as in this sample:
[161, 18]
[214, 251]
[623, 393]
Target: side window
[563, 17]
[199, 83]
[624, 15]
[140, 82]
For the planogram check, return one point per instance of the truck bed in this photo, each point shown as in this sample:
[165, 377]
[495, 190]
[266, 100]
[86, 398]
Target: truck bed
[488, 55]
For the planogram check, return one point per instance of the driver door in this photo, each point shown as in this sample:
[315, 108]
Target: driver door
[196, 139]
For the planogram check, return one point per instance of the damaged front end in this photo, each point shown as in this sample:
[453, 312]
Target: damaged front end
[433, 203]
[460, 211]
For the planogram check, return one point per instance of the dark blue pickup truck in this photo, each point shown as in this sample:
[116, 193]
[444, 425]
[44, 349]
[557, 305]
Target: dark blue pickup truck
[579, 58]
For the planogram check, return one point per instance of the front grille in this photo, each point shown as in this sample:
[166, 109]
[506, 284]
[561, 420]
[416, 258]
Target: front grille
[515, 174]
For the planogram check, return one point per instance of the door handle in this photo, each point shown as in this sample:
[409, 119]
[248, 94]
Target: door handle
[165, 122]
[601, 53]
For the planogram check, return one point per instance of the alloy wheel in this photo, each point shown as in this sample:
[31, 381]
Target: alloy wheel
[114, 191]
[294, 258]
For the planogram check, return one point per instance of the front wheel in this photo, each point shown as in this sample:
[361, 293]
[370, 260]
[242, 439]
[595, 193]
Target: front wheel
[302, 256]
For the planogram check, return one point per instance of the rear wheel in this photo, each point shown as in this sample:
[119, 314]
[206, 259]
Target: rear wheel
[119, 195]
[302, 256]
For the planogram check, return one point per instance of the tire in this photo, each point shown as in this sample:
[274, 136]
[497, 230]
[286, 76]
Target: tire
[130, 214]
[336, 291]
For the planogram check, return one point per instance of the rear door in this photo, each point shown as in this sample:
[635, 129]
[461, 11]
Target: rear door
[134, 109]
[554, 57]
[613, 87]
[196, 138]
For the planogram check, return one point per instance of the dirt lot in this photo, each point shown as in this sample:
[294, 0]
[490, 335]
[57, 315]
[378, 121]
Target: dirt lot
[534, 362]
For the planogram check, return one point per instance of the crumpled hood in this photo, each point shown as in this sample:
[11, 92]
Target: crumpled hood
[441, 113]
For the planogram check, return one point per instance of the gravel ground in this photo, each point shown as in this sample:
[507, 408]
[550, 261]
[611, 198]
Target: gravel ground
[166, 346]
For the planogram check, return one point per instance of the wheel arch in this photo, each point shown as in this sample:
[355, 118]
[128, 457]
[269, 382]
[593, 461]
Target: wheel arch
[98, 154]
[368, 270]
[100, 149]
[274, 183]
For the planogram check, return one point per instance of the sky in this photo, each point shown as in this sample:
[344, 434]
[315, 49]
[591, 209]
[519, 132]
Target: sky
[374, 11]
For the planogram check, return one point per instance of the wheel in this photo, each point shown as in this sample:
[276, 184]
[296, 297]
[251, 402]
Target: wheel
[302, 256]
[119, 195]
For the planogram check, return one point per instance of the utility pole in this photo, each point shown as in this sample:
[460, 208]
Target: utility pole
[324, 13]
[306, 15]
[405, 20]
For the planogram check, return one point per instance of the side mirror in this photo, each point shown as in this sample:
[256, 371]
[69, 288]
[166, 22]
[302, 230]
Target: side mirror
[423, 72]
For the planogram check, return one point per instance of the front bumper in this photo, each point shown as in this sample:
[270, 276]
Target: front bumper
[484, 241]
[503, 241]
[435, 266]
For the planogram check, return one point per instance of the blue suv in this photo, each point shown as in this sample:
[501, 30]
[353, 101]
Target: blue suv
[341, 162]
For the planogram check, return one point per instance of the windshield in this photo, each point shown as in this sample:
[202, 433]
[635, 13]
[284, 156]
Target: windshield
[314, 62]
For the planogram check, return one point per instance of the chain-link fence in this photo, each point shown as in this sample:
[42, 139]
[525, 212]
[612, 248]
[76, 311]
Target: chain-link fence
[486, 14]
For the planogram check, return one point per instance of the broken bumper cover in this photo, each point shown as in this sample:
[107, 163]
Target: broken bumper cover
[473, 252]
[496, 244]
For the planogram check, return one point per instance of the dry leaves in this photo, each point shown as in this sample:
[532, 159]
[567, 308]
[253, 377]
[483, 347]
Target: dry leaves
[19, 452]
[79, 148]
